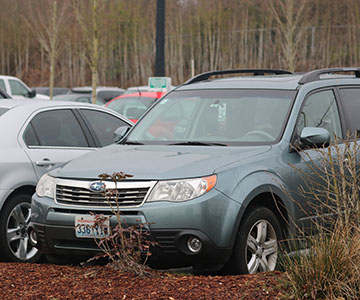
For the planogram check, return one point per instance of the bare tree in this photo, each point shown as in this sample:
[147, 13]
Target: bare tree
[290, 16]
[89, 18]
[48, 25]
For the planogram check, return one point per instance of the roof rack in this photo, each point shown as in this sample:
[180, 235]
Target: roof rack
[315, 75]
[206, 75]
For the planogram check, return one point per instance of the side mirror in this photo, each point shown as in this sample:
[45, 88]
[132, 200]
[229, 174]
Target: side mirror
[120, 132]
[314, 137]
[31, 94]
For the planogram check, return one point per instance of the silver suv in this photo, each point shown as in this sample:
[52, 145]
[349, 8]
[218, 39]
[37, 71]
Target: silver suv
[211, 169]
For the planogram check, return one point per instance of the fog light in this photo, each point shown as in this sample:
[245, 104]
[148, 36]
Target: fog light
[194, 244]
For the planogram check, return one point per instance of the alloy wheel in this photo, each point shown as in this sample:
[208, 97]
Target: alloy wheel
[261, 247]
[17, 232]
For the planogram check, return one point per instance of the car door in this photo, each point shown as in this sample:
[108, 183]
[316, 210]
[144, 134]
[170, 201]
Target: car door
[320, 109]
[53, 137]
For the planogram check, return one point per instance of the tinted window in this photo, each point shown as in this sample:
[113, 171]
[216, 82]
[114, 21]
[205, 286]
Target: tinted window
[351, 101]
[320, 110]
[30, 137]
[17, 88]
[3, 110]
[2, 84]
[56, 128]
[103, 125]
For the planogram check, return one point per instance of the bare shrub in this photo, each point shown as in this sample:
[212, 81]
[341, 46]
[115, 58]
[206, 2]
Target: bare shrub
[127, 247]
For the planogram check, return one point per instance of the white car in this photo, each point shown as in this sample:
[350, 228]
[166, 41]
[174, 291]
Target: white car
[37, 136]
[18, 89]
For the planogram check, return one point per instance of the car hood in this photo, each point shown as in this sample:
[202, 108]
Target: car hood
[155, 162]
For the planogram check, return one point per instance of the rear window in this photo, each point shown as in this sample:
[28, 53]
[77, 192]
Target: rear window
[132, 107]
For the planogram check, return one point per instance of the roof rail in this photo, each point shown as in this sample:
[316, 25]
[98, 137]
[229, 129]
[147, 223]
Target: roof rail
[206, 75]
[315, 75]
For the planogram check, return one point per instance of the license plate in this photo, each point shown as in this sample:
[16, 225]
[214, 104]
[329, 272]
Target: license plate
[85, 227]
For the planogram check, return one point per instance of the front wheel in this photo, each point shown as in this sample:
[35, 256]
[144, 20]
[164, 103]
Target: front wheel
[14, 230]
[256, 247]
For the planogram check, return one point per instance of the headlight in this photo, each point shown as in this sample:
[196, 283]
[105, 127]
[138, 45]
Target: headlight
[182, 190]
[46, 187]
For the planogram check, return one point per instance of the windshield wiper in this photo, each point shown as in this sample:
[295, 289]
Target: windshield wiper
[133, 143]
[197, 143]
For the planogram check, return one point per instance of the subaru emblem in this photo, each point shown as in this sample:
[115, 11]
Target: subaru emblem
[97, 186]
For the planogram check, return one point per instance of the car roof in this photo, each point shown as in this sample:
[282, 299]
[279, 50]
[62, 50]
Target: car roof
[279, 79]
[8, 77]
[290, 82]
[34, 104]
[156, 95]
[143, 94]
[88, 89]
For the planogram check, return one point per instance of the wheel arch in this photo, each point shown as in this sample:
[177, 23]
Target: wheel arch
[25, 189]
[274, 202]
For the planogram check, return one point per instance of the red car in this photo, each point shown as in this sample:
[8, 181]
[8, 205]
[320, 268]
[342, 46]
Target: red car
[133, 106]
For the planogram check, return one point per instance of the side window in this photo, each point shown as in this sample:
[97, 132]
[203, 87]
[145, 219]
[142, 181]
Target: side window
[2, 84]
[103, 125]
[17, 88]
[30, 137]
[320, 110]
[351, 102]
[55, 128]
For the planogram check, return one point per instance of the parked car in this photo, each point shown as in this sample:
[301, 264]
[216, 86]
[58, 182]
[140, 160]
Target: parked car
[4, 95]
[211, 165]
[18, 89]
[133, 106]
[35, 137]
[136, 89]
[79, 97]
[104, 92]
[56, 90]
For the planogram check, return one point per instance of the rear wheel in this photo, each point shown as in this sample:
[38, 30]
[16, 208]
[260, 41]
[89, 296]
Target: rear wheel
[257, 243]
[14, 230]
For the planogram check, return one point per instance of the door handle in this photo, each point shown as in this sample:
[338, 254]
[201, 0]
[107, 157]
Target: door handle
[44, 163]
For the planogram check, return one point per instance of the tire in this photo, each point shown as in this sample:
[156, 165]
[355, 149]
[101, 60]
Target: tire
[14, 231]
[257, 243]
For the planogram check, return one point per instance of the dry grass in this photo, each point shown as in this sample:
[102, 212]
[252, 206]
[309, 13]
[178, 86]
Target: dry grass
[331, 268]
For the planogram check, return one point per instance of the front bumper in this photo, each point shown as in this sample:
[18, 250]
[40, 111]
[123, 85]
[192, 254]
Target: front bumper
[211, 218]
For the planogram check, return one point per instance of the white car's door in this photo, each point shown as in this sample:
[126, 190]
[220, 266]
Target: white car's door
[53, 137]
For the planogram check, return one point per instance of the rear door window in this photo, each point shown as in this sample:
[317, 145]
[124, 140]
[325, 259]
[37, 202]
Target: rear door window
[58, 128]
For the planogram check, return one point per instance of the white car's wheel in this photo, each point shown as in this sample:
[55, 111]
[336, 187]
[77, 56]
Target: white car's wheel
[14, 230]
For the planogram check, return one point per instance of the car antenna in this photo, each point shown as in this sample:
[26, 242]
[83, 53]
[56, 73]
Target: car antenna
[139, 92]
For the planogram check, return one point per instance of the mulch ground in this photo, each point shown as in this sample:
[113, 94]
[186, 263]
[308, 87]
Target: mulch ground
[53, 282]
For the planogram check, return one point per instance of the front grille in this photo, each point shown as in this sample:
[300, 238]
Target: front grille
[127, 195]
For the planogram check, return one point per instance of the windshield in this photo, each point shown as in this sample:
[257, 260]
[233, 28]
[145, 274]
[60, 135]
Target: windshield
[230, 117]
[131, 107]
